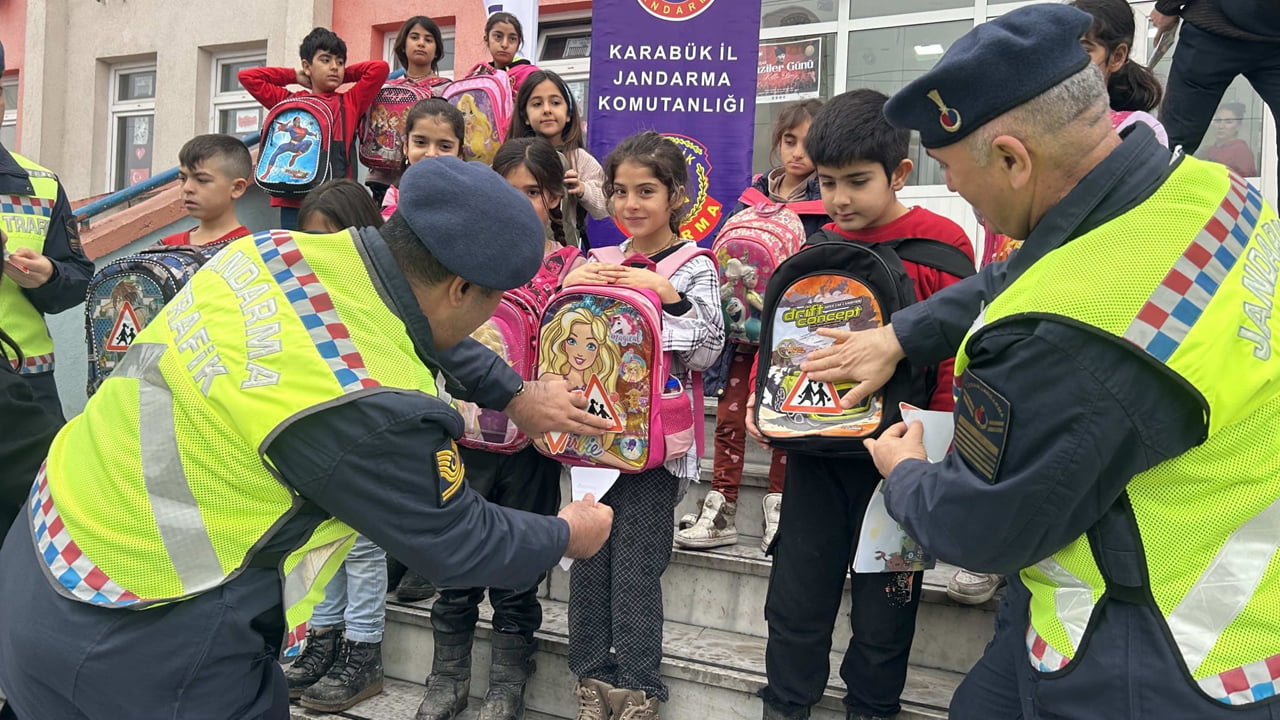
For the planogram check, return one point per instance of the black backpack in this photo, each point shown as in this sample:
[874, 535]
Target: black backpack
[832, 282]
[127, 294]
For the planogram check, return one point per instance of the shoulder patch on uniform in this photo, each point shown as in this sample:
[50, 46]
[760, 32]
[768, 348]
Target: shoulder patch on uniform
[982, 425]
[449, 474]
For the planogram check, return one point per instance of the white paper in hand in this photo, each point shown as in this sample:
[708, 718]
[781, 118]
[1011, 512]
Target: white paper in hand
[588, 480]
[883, 546]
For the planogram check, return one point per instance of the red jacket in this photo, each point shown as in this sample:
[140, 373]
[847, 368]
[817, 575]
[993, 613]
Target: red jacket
[918, 223]
[267, 85]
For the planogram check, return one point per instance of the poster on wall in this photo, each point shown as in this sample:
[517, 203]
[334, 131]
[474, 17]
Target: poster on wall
[685, 70]
[789, 71]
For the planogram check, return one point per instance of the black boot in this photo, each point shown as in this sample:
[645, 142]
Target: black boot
[356, 675]
[449, 684]
[414, 587]
[315, 660]
[773, 712]
[512, 665]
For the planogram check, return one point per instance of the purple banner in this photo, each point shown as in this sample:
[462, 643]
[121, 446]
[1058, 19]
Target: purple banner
[688, 70]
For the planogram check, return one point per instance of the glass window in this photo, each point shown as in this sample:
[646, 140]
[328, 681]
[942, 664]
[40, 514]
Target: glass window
[229, 73]
[9, 122]
[785, 13]
[1234, 136]
[767, 110]
[134, 140]
[877, 8]
[235, 112]
[886, 59]
[132, 125]
[566, 47]
[136, 85]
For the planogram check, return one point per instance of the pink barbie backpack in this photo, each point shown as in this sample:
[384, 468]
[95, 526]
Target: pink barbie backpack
[484, 98]
[747, 250]
[606, 340]
[512, 332]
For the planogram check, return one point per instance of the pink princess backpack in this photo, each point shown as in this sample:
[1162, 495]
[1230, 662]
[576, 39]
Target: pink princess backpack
[381, 133]
[750, 246]
[606, 341]
[512, 332]
[484, 99]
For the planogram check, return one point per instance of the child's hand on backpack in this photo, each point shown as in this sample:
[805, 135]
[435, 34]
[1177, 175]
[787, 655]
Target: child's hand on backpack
[640, 279]
[572, 184]
[585, 274]
[304, 79]
[752, 429]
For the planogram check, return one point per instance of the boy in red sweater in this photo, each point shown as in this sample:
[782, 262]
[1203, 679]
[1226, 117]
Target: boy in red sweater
[324, 69]
[213, 173]
[862, 164]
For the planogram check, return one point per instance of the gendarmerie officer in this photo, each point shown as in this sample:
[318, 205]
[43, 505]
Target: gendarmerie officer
[1119, 391]
[292, 395]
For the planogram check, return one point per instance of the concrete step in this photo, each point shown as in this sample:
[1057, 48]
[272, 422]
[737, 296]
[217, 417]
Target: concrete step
[724, 589]
[710, 673]
[398, 701]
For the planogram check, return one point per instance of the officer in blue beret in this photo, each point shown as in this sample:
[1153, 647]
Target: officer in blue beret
[1118, 379]
[185, 524]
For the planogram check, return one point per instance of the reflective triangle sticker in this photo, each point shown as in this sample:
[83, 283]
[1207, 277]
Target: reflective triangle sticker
[124, 331]
[599, 404]
[812, 396]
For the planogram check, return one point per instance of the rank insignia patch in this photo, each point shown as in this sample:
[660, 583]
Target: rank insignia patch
[982, 425]
[449, 473]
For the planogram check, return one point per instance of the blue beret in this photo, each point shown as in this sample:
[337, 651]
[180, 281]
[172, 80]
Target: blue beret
[473, 221]
[993, 69]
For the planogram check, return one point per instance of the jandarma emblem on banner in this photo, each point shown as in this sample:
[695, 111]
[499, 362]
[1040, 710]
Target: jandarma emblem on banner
[704, 210]
[675, 9]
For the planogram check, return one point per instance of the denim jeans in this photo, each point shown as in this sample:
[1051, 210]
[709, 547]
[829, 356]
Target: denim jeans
[357, 594]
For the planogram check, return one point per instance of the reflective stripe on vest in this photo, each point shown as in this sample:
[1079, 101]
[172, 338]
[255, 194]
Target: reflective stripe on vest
[25, 221]
[1197, 298]
[161, 489]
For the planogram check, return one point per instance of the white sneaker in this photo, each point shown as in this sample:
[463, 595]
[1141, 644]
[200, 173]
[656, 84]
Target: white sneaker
[715, 526]
[772, 511]
[970, 588]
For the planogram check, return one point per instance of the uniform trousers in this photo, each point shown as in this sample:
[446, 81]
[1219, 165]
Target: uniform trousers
[817, 536]
[615, 596]
[525, 480]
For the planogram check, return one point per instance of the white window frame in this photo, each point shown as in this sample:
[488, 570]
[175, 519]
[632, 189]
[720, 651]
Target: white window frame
[233, 100]
[572, 70]
[447, 33]
[10, 118]
[120, 109]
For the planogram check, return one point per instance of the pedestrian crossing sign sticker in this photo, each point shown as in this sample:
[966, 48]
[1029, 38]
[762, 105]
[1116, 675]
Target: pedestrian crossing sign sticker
[124, 331]
[598, 404]
[813, 397]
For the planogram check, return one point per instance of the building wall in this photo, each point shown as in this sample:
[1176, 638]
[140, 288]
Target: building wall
[363, 25]
[13, 23]
[76, 43]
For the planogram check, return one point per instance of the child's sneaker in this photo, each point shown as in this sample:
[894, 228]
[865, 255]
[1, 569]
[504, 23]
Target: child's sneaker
[632, 705]
[772, 511]
[970, 588]
[715, 526]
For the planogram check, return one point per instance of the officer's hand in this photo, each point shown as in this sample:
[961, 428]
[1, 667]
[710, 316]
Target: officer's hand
[38, 267]
[752, 429]
[589, 526]
[867, 357]
[898, 443]
[548, 406]
[1162, 21]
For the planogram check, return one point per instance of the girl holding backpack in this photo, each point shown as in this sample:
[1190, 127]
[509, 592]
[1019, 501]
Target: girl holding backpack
[524, 479]
[546, 108]
[794, 180]
[615, 598]
[419, 46]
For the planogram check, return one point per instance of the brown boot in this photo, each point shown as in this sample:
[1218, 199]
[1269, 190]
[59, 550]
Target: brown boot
[632, 705]
[593, 699]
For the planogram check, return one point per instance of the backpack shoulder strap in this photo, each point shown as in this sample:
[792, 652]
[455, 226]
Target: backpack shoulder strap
[682, 255]
[752, 197]
[608, 254]
[807, 207]
[935, 254]
[825, 236]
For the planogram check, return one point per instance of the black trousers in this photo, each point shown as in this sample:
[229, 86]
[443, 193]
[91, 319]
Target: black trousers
[525, 481]
[1204, 65]
[826, 499]
[45, 388]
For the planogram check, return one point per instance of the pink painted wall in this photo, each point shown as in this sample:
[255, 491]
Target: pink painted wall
[362, 24]
[13, 33]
